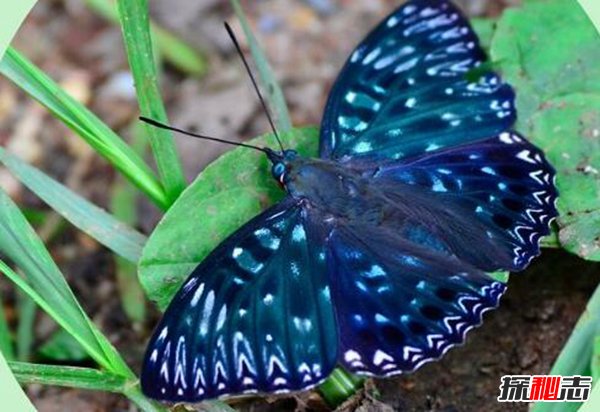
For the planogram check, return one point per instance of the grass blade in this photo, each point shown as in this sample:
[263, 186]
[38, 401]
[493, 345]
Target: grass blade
[45, 284]
[67, 376]
[274, 94]
[62, 348]
[97, 223]
[82, 378]
[6, 344]
[10, 391]
[27, 311]
[123, 205]
[173, 49]
[576, 355]
[84, 123]
[136, 33]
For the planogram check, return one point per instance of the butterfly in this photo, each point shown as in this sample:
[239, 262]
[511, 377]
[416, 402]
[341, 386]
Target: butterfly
[378, 257]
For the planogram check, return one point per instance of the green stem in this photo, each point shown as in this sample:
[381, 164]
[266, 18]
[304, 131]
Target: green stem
[275, 97]
[67, 376]
[135, 25]
[340, 386]
[134, 393]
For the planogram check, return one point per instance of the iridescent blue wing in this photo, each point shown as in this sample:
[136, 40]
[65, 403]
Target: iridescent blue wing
[489, 202]
[254, 316]
[410, 88]
[400, 304]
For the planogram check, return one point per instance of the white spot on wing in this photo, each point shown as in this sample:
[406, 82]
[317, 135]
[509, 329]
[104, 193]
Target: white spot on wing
[362, 147]
[298, 234]
[197, 295]
[380, 357]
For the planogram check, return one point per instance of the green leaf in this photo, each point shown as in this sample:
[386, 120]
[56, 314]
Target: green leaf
[204, 215]
[566, 127]
[135, 25]
[485, 31]
[63, 347]
[549, 51]
[124, 205]
[576, 355]
[595, 363]
[45, 284]
[84, 123]
[173, 49]
[97, 223]
[25, 334]
[6, 342]
[274, 95]
[67, 376]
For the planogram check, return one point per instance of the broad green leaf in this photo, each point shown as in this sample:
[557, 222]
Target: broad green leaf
[63, 347]
[205, 214]
[10, 391]
[569, 130]
[576, 355]
[135, 24]
[84, 123]
[45, 284]
[97, 223]
[274, 96]
[485, 31]
[548, 50]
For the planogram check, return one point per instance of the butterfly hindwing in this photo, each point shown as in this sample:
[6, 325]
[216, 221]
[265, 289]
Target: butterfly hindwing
[254, 316]
[400, 304]
[410, 87]
[494, 199]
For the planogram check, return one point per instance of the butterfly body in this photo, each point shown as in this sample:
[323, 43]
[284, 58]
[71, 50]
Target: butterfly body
[378, 257]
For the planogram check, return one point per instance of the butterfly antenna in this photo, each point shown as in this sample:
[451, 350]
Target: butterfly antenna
[256, 88]
[160, 125]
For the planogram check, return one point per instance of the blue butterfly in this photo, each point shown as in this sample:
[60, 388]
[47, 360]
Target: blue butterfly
[378, 257]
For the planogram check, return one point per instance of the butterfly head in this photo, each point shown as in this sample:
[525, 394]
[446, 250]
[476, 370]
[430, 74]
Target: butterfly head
[281, 163]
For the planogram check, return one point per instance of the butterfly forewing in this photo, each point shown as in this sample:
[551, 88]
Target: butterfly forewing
[255, 316]
[410, 88]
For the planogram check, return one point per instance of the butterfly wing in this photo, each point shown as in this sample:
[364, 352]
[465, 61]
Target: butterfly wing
[410, 88]
[254, 316]
[490, 202]
[398, 303]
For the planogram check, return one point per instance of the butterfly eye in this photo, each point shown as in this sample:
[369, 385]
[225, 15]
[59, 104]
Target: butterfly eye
[279, 172]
